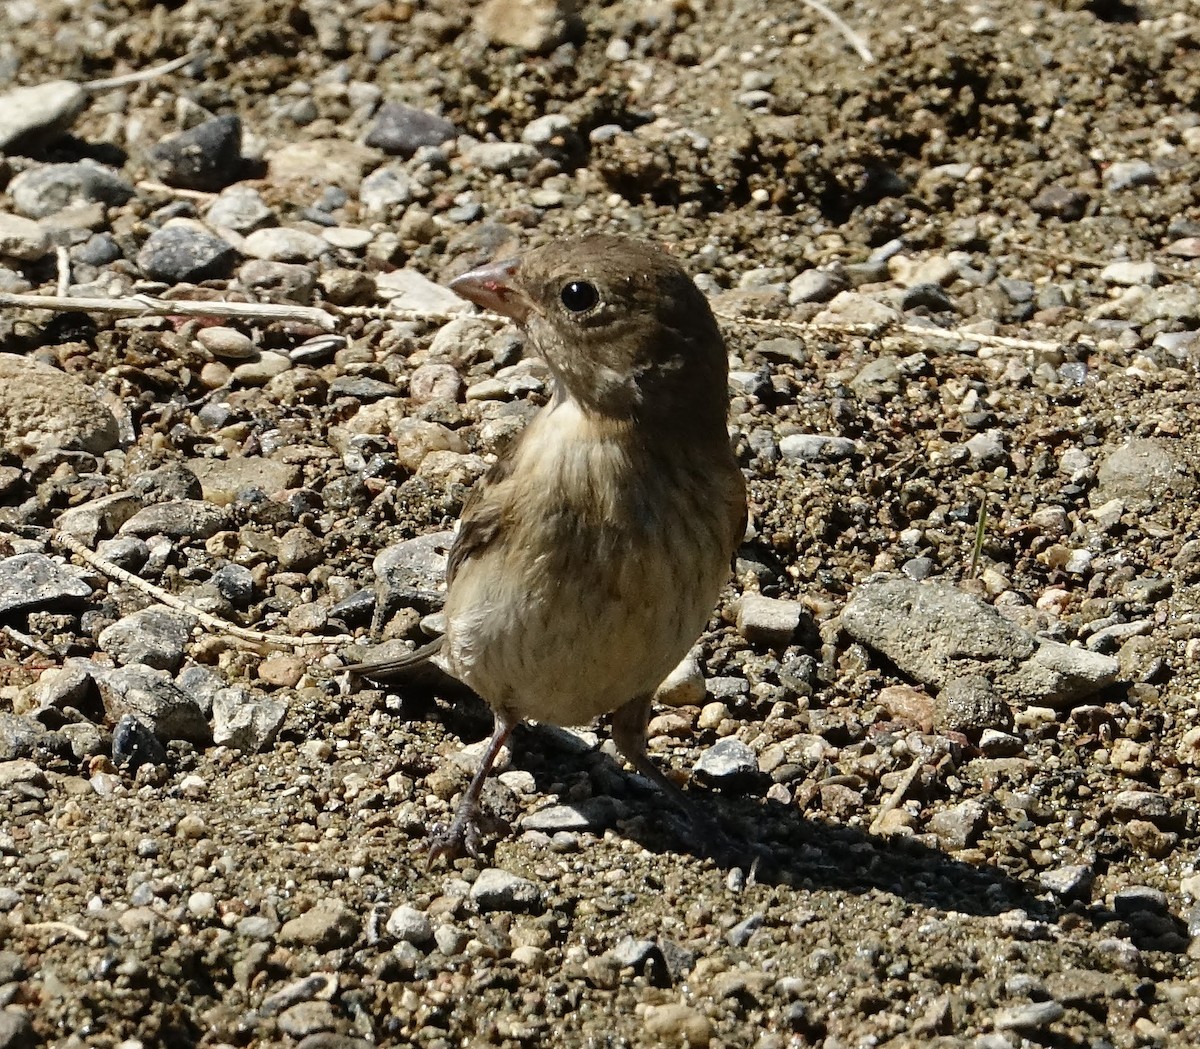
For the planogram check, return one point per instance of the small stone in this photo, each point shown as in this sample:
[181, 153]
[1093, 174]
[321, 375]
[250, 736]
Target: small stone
[207, 157]
[1061, 202]
[958, 826]
[135, 744]
[183, 252]
[401, 130]
[49, 188]
[813, 447]
[531, 25]
[996, 744]
[677, 1024]
[1143, 804]
[1132, 274]
[409, 290]
[502, 157]
[227, 343]
[43, 408]
[240, 209]
[815, 286]
[1031, 1017]
[154, 636]
[1134, 899]
[435, 382]
[245, 724]
[739, 935]
[727, 761]
[327, 925]
[1125, 174]
[450, 940]
[410, 926]
[177, 519]
[854, 308]
[35, 115]
[16, 1031]
[987, 449]
[22, 238]
[594, 815]
[29, 581]
[155, 699]
[684, 686]
[769, 621]
[283, 244]
[969, 704]
[1143, 472]
[385, 188]
[1073, 881]
[498, 890]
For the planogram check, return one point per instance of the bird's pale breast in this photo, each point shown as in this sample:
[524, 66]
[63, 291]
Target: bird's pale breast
[611, 558]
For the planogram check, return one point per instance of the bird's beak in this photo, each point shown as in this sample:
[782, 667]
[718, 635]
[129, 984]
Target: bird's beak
[493, 286]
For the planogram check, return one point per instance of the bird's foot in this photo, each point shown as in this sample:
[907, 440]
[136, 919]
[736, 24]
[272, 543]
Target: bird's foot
[461, 838]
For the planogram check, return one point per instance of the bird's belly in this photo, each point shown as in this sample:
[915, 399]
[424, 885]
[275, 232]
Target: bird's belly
[564, 639]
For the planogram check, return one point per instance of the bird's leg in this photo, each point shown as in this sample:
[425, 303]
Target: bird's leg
[629, 734]
[462, 836]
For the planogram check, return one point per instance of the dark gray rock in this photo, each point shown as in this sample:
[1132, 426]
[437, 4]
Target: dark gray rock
[154, 699]
[181, 253]
[727, 760]
[207, 157]
[44, 190]
[182, 517]
[498, 890]
[135, 745]
[401, 130]
[29, 581]
[154, 636]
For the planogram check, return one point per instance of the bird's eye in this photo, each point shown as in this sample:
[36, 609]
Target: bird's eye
[579, 296]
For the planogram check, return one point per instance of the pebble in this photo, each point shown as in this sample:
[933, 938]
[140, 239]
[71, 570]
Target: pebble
[385, 188]
[29, 581]
[43, 408]
[282, 244]
[1031, 1017]
[769, 621]
[530, 25]
[401, 130]
[1073, 881]
[278, 281]
[502, 157]
[154, 636]
[957, 826]
[410, 926]
[815, 286]
[593, 814]
[678, 1024]
[1061, 202]
[854, 308]
[248, 725]
[154, 699]
[183, 252]
[16, 1030]
[935, 632]
[325, 926]
[969, 704]
[684, 686]
[813, 447]
[1126, 174]
[241, 209]
[31, 116]
[227, 343]
[1143, 472]
[262, 369]
[47, 189]
[207, 157]
[435, 381]
[727, 761]
[177, 518]
[498, 890]
[406, 289]
[987, 448]
[1132, 274]
[22, 239]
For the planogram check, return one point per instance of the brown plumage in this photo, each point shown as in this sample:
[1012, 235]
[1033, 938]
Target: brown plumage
[590, 556]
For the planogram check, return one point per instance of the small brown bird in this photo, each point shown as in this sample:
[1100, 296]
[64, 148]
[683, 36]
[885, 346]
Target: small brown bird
[589, 557]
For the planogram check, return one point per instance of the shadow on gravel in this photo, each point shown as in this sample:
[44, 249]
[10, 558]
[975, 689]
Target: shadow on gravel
[790, 849]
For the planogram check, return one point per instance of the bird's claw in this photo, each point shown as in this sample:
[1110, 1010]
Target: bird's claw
[461, 838]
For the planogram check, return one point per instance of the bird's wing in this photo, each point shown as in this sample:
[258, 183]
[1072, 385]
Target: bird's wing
[482, 519]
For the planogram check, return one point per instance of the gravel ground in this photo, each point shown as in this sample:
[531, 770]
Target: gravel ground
[949, 699]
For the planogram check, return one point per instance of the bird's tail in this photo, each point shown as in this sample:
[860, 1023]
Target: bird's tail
[410, 664]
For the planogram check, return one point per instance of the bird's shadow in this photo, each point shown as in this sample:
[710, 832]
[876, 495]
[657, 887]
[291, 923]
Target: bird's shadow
[782, 846]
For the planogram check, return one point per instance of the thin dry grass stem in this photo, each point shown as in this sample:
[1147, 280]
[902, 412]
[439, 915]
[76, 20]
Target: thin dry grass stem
[1094, 261]
[140, 75]
[853, 38]
[148, 306]
[894, 799]
[64, 270]
[920, 332]
[154, 186]
[70, 543]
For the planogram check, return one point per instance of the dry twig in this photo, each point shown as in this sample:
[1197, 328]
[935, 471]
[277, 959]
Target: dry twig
[140, 75]
[894, 799]
[852, 38]
[219, 626]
